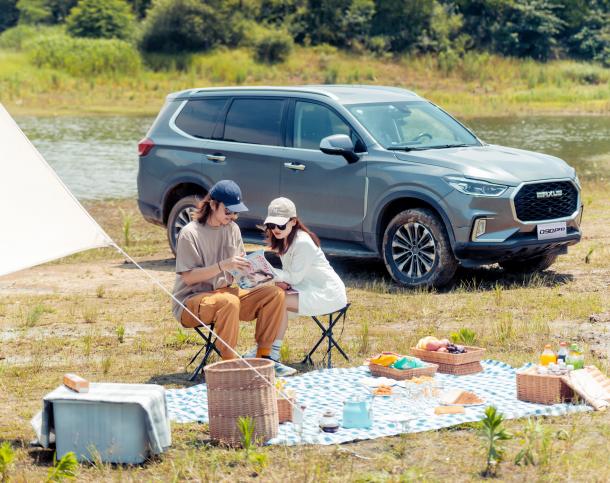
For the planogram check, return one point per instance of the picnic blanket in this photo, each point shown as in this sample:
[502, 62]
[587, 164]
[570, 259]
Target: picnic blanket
[328, 388]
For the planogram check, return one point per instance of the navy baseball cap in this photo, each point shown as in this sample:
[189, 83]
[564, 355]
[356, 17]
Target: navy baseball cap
[228, 193]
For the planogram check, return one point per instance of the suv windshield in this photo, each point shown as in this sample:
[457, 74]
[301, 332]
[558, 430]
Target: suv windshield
[411, 125]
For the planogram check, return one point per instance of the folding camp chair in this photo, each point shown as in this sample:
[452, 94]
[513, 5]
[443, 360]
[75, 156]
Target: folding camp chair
[327, 333]
[208, 346]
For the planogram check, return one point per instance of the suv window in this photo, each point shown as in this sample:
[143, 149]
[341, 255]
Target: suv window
[255, 121]
[313, 122]
[198, 117]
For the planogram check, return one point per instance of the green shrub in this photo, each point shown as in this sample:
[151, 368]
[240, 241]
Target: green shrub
[273, 46]
[15, 37]
[182, 25]
[101, 19]
[84, 57]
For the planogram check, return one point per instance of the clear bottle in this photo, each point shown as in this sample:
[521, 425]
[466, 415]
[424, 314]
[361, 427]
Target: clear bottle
[575, 357]
[547, 356]
[563, 351]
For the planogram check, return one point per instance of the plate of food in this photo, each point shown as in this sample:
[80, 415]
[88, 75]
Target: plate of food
[383, 390]
[459, 397]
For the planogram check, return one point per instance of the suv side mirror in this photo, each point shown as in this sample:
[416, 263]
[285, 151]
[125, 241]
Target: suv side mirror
[339, 144]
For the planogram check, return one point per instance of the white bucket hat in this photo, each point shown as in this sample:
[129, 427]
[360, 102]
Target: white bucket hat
[280, 211]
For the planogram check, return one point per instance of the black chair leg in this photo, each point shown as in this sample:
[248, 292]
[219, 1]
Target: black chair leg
[327, 333]
[208, 346]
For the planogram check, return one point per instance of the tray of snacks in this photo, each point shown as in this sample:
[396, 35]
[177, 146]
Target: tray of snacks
[399, 367]
[451, 358]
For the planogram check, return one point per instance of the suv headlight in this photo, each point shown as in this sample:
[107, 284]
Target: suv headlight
[475, 188]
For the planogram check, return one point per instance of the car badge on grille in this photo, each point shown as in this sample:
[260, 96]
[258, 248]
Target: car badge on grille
[549, 194]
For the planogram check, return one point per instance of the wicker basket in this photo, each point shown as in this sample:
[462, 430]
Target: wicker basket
[460, 369]
[472, 354]
[284, 408]
[402, 374]
[235, 390]
[542, 388]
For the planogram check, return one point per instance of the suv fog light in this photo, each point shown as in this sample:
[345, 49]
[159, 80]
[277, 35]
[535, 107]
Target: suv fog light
[480, 225]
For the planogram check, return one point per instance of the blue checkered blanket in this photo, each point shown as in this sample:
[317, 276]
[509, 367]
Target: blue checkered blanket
[326, 389]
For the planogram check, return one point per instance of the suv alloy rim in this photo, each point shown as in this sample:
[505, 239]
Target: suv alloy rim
[413, 250]
[183, 219]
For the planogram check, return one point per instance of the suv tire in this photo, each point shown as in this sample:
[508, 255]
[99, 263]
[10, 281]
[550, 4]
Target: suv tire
[179, 217]
[529, 265]
[416, 249]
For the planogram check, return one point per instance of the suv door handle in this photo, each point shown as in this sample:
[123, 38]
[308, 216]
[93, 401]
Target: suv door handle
[217, 158]
[295, 166]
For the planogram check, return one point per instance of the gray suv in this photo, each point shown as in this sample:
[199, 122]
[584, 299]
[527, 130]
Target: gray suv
[374, 171]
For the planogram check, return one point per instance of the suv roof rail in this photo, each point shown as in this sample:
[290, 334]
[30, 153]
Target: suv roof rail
[304, 89]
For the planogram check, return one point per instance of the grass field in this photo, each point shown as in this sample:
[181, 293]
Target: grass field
[477, 85]
[98, 316]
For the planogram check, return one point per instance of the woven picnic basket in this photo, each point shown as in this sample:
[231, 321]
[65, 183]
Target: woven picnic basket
[542, 388]
[402, 374]
[456, 364]
[236, 390]
[284, 408]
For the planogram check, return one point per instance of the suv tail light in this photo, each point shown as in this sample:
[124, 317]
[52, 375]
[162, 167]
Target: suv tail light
[144, 146]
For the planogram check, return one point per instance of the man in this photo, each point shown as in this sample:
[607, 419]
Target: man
[207, 249]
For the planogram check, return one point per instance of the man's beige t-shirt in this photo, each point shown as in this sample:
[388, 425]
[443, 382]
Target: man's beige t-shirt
[202, 246]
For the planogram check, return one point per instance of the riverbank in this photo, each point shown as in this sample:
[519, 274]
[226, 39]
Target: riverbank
[477, 85]
[97, 315]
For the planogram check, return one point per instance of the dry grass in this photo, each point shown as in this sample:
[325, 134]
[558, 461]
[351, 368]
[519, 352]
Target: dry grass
[56, 319]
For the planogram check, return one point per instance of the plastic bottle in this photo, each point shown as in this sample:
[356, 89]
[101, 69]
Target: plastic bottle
[575, 357]
[547, 356]
[563, 351]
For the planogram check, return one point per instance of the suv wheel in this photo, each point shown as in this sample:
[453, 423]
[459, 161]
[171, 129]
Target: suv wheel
[179, 217]
[536, 264]
[416, 249]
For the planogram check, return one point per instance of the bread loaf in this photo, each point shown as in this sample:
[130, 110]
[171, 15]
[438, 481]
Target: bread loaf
[76, 383]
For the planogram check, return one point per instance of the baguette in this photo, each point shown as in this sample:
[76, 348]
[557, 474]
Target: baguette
[448, 410]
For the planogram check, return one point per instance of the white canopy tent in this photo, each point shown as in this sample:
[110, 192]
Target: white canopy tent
[40, 218]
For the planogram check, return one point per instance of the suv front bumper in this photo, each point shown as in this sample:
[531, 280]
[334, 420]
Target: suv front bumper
[522, 246]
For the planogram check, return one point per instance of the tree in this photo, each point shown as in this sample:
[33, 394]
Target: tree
[44, 11]
[9, 14]
[342, 23]
[101, 19]
[530, 29]
[182, 25]
[402, 21]
[592, 41]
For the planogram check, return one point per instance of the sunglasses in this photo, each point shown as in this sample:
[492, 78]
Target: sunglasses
[273, 226]
[231, 213]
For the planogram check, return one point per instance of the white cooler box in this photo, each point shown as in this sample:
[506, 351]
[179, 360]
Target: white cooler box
[94, 431]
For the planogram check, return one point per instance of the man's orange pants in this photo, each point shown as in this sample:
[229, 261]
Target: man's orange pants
[225, 307]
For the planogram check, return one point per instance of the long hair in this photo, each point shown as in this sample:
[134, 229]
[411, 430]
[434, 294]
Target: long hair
[204, 209]
[282, 246]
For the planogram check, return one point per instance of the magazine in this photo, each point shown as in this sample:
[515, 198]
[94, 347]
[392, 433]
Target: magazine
[260, 271]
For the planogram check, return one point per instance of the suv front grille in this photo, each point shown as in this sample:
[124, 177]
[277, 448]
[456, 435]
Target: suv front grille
[546, 201]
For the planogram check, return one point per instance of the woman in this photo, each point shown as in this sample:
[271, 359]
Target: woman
[312, 286]
[207, 249]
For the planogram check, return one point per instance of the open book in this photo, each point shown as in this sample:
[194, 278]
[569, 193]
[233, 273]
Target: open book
[260, 271]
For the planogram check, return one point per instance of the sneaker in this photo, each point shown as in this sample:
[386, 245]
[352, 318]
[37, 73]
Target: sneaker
[282, 370]
[250, 354]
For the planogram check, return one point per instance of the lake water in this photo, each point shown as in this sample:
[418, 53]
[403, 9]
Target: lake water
[97, 158]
